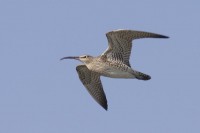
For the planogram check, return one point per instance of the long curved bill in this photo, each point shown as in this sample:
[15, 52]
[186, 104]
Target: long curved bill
[70, 57]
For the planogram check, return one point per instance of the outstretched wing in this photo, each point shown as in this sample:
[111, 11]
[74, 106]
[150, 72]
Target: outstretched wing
[91, 80]
[120, 44]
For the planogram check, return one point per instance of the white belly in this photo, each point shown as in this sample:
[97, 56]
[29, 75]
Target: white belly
[117, 74]
[113, 72]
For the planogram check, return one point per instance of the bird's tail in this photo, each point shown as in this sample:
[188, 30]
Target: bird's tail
[141, 76]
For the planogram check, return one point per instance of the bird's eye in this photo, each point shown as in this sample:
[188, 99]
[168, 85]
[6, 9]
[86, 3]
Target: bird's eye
[85, 56]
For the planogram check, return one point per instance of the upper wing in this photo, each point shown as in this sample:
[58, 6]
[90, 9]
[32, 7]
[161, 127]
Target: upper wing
[91, 80]
[120, 43]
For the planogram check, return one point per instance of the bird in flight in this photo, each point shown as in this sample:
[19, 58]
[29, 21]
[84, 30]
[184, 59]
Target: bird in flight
[113, 62]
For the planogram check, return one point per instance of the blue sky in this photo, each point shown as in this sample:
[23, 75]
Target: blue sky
[39, 93]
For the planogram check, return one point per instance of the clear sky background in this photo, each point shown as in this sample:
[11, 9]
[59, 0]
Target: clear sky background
[41, 94]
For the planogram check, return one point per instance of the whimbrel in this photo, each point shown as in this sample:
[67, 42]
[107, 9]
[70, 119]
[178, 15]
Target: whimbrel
[113, 63]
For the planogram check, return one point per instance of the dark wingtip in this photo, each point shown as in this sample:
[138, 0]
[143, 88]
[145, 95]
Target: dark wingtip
[106, 107]
[162, 36]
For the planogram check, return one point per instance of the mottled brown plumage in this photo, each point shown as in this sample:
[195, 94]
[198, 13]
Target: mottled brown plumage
[114, 62]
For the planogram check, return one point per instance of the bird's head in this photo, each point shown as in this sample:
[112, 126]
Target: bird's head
[83, 58]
